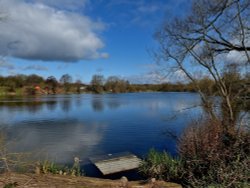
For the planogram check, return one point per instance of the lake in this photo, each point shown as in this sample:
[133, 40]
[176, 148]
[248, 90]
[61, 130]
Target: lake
[60, 127]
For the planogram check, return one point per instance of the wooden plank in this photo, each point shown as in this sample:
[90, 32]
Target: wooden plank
[116, 163]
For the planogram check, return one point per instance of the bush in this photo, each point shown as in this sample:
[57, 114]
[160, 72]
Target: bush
[209, 156]
[161, 165]
[30, 90]
[215, 156]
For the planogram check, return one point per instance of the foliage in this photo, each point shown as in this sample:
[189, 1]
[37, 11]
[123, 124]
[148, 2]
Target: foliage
[46, 167]
[116, 85]
[78, 85]
[66, 79]
[33, 79]
[30, 91]
[208, 157]
[52, 82]
[50, 167]
[212, 156]
[97, 83]
[27, 85]
[161, 165]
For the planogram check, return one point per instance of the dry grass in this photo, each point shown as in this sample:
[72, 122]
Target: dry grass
[57, 181]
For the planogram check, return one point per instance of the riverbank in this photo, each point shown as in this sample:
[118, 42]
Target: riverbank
[11, 180]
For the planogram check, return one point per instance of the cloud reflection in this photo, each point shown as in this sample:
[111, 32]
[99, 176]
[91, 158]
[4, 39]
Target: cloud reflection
[59, 141]
[64, 126]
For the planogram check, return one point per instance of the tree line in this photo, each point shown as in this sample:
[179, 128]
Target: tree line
[35, 84]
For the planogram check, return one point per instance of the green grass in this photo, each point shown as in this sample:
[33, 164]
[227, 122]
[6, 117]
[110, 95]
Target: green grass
[161, 165]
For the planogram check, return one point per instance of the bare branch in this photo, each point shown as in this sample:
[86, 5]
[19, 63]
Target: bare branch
[206, 36]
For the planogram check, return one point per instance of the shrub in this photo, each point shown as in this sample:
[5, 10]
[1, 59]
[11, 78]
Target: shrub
[161, 165]
[215, 156]
[30, 91]
[209, 156]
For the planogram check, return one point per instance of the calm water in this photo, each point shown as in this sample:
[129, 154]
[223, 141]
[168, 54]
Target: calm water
[61, 127]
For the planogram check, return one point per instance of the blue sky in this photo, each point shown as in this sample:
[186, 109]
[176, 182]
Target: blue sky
[82, 37]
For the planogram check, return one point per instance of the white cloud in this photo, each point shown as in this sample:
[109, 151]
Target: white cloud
[63, 4]
[239, 57]
[39, 32]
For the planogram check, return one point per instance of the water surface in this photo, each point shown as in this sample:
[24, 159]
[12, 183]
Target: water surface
[60, 127]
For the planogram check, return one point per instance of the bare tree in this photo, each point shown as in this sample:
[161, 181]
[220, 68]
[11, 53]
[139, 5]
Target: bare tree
[211, 39]
[97, 83]
[66, 80]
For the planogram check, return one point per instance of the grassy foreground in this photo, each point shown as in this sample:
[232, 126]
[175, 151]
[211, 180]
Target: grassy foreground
[11, 180]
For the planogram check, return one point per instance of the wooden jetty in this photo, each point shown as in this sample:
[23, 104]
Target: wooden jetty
[113, 163]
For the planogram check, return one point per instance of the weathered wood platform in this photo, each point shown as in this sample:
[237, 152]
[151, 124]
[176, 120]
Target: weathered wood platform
[113, 163]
